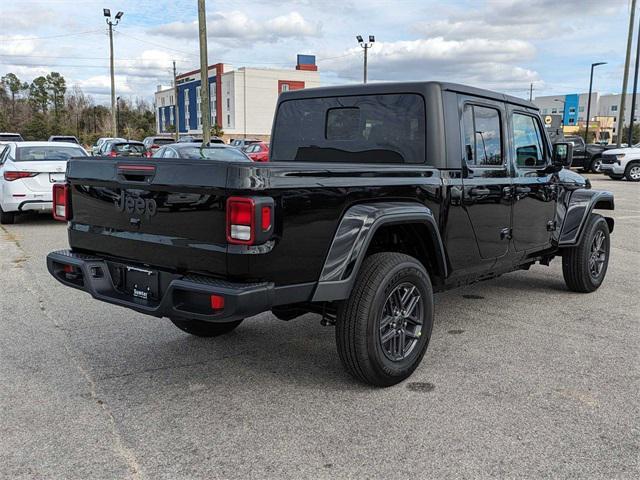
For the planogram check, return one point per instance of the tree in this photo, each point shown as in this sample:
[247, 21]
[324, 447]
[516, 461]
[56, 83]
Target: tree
[216, 130]
[56, 87]
[635, 138]
[39, 94]
[15, 86]
[36, 128]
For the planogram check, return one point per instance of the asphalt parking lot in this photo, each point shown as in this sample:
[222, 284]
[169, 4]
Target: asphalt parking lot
[522, 379]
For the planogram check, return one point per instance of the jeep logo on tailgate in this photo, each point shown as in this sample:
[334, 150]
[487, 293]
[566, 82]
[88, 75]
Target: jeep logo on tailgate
[136, 205]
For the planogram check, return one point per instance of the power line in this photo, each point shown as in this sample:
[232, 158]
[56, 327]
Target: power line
[50, 36]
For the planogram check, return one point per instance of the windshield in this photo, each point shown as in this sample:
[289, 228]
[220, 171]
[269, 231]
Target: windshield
[226, 154]
[129, 148]
[64, 139]
[32, 154]
[163, 141]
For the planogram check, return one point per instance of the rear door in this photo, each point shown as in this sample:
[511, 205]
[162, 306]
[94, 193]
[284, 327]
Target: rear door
[486, 175]
[534, 187]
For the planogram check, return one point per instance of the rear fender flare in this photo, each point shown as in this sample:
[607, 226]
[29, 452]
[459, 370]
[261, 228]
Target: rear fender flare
[353, 237]
[581, 203]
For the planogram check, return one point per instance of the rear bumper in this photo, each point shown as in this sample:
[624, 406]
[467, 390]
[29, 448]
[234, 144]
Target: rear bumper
[180, 296]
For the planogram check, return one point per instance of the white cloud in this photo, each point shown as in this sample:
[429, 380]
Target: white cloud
[478, 61]
[237, 25]
[17, 45]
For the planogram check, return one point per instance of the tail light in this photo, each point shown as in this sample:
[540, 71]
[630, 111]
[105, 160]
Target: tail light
[148, 153]
[217, 302]
[249, 220]
[13, 175]
[113, 153]
[61, 202]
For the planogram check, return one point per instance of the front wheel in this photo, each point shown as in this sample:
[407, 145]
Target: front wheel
[585, 265]
[632, 172]
[204, 329]
[383, 328]
[596, 165]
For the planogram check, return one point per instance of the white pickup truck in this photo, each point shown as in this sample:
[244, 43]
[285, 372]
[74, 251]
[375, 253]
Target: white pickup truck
[622, 163]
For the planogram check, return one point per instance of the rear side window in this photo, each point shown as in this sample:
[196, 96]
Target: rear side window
[355, 129]
[482, 136]
[527, 142]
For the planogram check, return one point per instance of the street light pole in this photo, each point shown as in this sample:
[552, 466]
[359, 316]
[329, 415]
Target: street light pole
[635, 90]
[366, 46]
[586, 130]
[625, 75]
[107, 13]
[204, 74]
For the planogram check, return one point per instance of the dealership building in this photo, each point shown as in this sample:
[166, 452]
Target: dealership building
[242, 100]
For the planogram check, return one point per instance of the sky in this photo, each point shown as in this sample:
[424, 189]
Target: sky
[504, 45]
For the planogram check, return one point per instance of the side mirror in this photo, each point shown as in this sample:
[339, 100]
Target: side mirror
[562, 154]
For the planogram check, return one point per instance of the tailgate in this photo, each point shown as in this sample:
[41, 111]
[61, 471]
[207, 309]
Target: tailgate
[163, 212]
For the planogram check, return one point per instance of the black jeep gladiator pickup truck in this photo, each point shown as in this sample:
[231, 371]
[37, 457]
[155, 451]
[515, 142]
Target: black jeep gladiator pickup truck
[375, 197]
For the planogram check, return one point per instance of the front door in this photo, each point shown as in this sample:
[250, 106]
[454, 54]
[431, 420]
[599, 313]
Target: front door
[534, 186]
[486, 177]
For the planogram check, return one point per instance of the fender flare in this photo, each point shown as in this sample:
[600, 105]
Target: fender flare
[580, 205]
[353, 237]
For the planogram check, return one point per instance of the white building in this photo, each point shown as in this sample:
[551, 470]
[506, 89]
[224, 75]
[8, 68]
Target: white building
[573, 107]
[242, 100]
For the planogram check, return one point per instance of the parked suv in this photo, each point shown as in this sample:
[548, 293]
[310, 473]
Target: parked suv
[622, 163]
[10, 137]
[376, 196]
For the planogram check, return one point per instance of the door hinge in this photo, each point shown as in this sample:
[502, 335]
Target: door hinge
[506, 234]
[552, 225]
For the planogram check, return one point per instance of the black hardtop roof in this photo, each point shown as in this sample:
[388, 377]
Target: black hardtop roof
[402, 87]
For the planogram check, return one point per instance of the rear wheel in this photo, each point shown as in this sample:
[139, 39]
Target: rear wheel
[632, 172]
[585, 265]
[205, 329]
[7, 218]
[383, 328]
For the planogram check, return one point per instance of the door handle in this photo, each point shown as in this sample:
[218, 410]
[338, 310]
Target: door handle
[479, 192]
[523, 190]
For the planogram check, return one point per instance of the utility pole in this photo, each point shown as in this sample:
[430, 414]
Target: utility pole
[204, 75]
[244, 85]
[175, 104]
[586, 130]
[366, 46]
[531, 92]
[107, 14]
[623, 96]
[635, 90]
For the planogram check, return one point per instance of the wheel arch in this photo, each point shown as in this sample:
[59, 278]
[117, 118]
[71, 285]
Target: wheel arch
[359, 234]
[580, 205]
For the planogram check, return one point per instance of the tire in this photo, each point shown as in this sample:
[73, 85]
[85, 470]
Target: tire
[632, 172]
[616, 177]
[360, 332]
[585, 265]
[7, 218]
[205, 329]
[595, 165]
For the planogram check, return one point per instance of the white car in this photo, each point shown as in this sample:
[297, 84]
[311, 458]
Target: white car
[28, 171]
[622, 163]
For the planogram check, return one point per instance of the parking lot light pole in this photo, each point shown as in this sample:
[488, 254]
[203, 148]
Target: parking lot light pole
[635, 91]
[586, 130]
[564, 106]
[366, 46]
[204, 74]
[107, 13]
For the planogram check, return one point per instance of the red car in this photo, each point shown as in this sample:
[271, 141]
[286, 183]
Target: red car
[258, 152]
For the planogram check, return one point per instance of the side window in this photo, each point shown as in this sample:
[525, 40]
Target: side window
[482, 136]
[527, 142]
